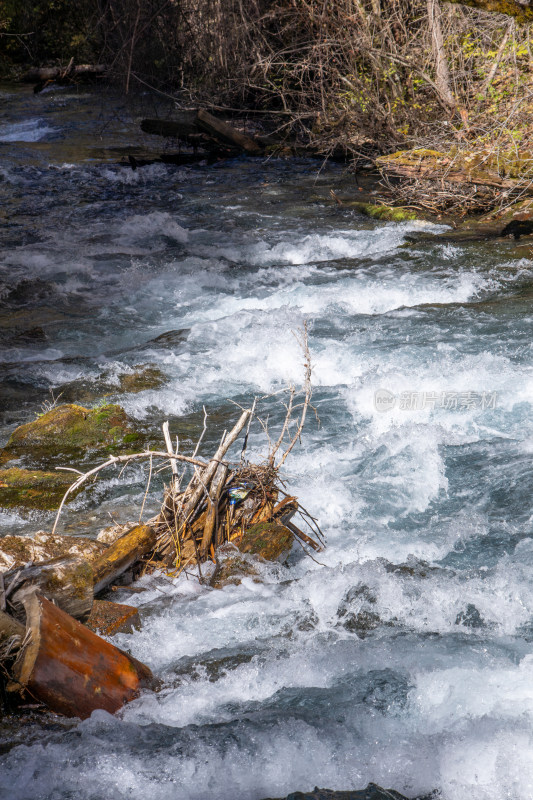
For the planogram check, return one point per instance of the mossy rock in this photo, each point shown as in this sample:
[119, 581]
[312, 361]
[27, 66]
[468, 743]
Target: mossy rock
[33, 489]
[72, 430]
[270, 540]
[382, 212]
[231, 569]
[142, 379]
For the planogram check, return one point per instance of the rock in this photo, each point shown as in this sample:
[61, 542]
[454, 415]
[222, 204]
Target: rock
[232, 567]
[108, 618]
[33, 488]
[15, 551]
[142, 379]
[270, 540]
[356, 613]
[372, 792]
[71, 430]
[382, 212]
[517, 228]
[470, 617]
[113, 532]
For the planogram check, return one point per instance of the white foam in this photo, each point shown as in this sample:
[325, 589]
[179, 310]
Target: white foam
[32, 130]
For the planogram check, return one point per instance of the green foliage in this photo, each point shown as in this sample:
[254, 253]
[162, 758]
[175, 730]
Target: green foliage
[47, 31]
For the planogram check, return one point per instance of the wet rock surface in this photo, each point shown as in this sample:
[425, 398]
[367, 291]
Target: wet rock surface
[71, 430]
[372, 792]
[232, 567]
[270, 540]
[33, 488]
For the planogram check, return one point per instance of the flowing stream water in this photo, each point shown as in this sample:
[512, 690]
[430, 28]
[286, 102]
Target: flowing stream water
[405, 656]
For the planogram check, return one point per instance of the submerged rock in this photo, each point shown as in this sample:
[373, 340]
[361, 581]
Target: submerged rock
[270, 540]
[372, 792]
[32, 488]
[144, 377]
[470, 617]
[356, 613]
[72, 430]
[232, 567]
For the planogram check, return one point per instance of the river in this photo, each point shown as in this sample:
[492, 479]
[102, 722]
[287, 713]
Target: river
[405, 656]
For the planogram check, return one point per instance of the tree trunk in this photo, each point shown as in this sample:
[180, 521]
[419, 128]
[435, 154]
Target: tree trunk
[442, 73]
[72, 670]
[67, 581]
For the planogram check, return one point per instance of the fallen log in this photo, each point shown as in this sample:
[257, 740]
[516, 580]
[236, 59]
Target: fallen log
[198, 126]
[123, 554]
[478, 169]
[221, 130]
[72, 670]
[67, 581]
[183, 124]
[52, 73]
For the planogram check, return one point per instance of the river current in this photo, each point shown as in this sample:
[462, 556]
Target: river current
[405, 657]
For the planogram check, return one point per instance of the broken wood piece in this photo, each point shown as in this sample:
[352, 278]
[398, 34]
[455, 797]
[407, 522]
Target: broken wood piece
[221, 130]
[123, 554]
[72, 670]
[215, 491]
[108, 618]
[67, 581]
[11, 635]
[301, 535]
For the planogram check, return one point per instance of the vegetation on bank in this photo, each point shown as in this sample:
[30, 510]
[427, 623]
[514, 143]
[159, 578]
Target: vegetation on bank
[366, 77]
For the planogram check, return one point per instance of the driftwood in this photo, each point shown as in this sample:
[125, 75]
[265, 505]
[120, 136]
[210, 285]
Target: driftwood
[67, 581]
[221, 130]
[200, 128]
[183, 124]
[69, 668]
[11, 636]
[122, 555]
[53, 73]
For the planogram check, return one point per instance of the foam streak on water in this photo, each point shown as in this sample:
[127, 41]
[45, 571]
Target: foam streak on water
[405, 656]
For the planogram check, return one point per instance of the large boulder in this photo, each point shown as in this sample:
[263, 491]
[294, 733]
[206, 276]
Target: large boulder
[73, 431]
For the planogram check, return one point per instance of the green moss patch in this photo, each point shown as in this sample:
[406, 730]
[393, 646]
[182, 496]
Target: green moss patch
[73, 430]
[269, 540]
[33, 489]
[142, 379]
[383, 212]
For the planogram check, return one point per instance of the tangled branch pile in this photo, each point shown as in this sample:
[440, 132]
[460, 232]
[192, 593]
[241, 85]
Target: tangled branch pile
[223, 499]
